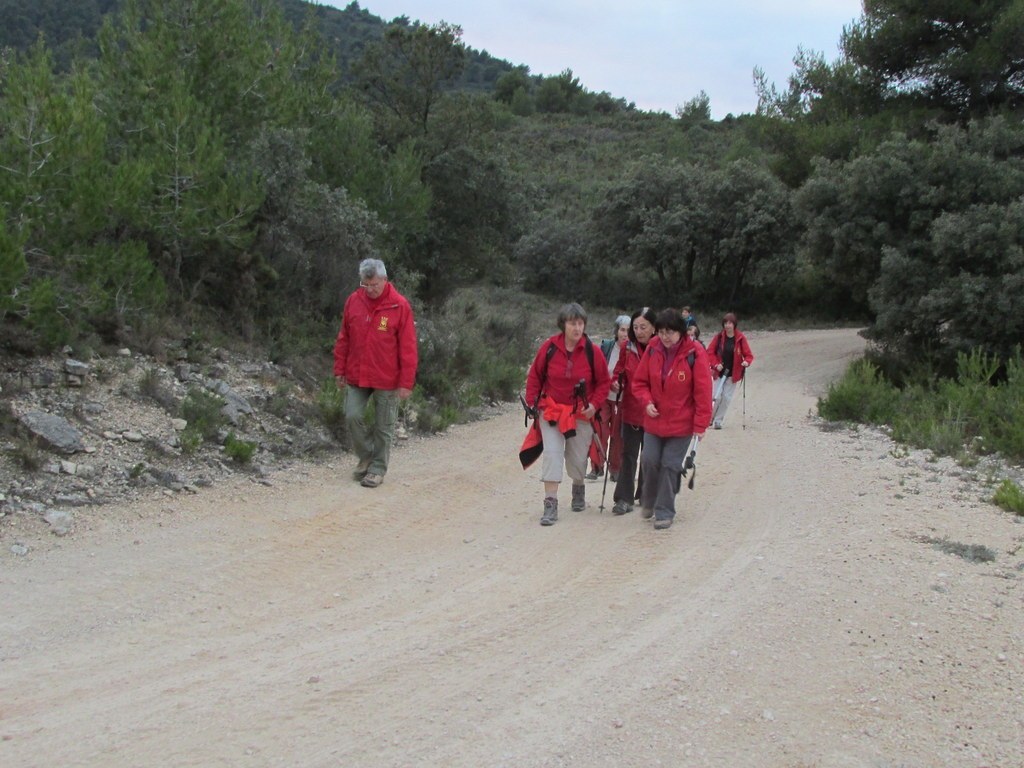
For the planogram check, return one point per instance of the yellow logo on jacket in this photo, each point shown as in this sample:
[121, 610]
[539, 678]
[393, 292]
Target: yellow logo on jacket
[383, 323]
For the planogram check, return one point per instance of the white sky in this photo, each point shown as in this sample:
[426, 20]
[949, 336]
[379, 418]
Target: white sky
[656, 53]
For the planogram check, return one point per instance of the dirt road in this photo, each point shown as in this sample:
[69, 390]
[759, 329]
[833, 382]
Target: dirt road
[797, 614]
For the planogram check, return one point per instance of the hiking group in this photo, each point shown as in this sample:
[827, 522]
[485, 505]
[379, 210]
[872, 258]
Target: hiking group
[649, 392]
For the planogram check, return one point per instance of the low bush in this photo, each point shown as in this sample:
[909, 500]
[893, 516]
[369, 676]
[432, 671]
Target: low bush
[1010, 497]
[330, 402]
[152, 387]
[473, 352]
[240, 451]
[981, 411]
[862, 395]
[202, 410]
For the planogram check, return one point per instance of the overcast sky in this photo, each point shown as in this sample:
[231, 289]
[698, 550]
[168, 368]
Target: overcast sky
[656, 53]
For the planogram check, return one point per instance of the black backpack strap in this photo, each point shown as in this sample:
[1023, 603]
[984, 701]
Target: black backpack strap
[544, 371]
[590, 359]
[589, 348]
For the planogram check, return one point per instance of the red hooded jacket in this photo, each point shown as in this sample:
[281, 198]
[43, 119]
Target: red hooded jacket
[376, 346]
[564, 373]
[740, 353]
[682, 396]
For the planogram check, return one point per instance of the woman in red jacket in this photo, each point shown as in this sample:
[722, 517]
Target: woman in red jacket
[730, 357]
[641, 329]
[566, 383]
[673, 382]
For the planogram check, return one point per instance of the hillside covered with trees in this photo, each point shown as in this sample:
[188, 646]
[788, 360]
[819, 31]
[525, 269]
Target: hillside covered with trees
[184, 163]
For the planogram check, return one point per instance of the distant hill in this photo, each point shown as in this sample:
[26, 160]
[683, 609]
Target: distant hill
[70, 27]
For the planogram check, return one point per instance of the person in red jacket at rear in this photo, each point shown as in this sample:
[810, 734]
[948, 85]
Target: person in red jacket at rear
[730, 356]
[375, 356]
[673, 382]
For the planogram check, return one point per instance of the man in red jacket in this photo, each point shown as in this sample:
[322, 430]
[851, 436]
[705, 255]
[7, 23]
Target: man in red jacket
[375, 355]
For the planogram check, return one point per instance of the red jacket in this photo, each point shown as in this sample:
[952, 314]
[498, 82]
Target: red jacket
[376, 346]
[740, 353]
[682, 396]
[632, 409]
[563, 373]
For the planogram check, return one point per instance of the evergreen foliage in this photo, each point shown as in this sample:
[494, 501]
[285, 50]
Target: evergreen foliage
[145, 173]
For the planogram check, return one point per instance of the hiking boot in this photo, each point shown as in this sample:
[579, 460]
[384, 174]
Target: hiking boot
[646, 513]
[371, 480]
[613, 476]
[662, 524]
[550, 511]
[579, 501]
[717, 425]
[622, 508]
[594, 474]
[361, 469]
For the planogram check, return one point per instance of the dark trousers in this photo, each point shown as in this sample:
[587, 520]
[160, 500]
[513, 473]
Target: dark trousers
[625, 486]
[662, 467]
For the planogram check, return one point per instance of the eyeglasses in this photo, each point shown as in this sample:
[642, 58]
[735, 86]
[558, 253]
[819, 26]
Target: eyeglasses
[372, 286]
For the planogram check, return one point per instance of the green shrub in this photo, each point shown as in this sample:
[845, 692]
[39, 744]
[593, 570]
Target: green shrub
[240, 451]
[330, 402]
[1010, 497]
[202, 410]
[280, 403]
[981, 411]
[151, 386]
[474, 351]
[190, 439]
[27, 454]
[861, 395]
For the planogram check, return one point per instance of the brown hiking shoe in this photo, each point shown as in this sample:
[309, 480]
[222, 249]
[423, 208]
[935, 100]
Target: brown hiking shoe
[579, 500]
[550, 511]
[372, 480]
[361, 469]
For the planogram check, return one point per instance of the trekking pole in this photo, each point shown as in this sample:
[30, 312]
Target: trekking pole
[607, 464]
[604, 489]
[745, 397]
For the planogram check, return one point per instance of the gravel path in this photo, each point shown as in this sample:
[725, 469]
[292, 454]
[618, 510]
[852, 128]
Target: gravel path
[804, 610]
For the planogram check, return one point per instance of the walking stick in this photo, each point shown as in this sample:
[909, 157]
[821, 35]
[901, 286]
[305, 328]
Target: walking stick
[745, 397]
[607, 464]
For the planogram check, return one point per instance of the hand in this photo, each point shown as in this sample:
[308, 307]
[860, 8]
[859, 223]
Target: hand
[744, 363]
[652, 410]
[615, 386]
[403, 393]
[340, 381]
[718, 367]
[589, 411]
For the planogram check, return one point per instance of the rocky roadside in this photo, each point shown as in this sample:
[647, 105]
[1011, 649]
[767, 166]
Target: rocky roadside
[76, 435]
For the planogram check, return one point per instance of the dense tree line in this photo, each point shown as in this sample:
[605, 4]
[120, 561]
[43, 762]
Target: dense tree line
[161, 172]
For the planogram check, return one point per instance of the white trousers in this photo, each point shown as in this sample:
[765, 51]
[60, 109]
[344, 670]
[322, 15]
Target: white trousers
[571, 453]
